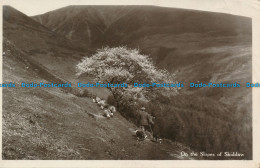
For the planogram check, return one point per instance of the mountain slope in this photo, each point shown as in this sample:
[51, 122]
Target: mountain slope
[53, 123]
[41, 123]
[81, 24]
[31, 30]
[147, 21]
[41, 44]
[124, 24]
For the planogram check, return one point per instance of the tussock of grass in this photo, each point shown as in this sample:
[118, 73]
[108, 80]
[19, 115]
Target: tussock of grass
[22, 133]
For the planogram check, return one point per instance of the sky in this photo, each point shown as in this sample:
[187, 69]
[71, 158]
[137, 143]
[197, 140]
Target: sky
[236, 7]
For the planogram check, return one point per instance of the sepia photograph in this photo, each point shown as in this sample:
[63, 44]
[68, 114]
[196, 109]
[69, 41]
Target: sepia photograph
[126, 82]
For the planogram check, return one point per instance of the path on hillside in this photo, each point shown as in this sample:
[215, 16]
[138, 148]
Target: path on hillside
[121, 142]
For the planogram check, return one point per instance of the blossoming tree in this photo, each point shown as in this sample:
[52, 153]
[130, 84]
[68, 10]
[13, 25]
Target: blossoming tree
[122, 65]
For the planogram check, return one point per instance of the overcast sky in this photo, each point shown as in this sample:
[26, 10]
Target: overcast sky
[237, 7]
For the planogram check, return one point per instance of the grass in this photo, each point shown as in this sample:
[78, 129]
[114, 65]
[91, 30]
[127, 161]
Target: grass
[48, 123]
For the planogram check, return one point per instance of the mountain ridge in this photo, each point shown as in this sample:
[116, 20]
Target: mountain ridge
[140, 16]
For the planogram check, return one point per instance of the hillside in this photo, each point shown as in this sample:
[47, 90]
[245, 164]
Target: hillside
[81, 24]
[113, 25]
[41, 123]
[53, 123]
[40, 43]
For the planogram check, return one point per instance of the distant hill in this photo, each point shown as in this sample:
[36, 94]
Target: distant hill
[82, 24]
[124, 24]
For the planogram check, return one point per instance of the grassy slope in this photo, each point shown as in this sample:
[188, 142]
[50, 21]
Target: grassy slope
[40, 123]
